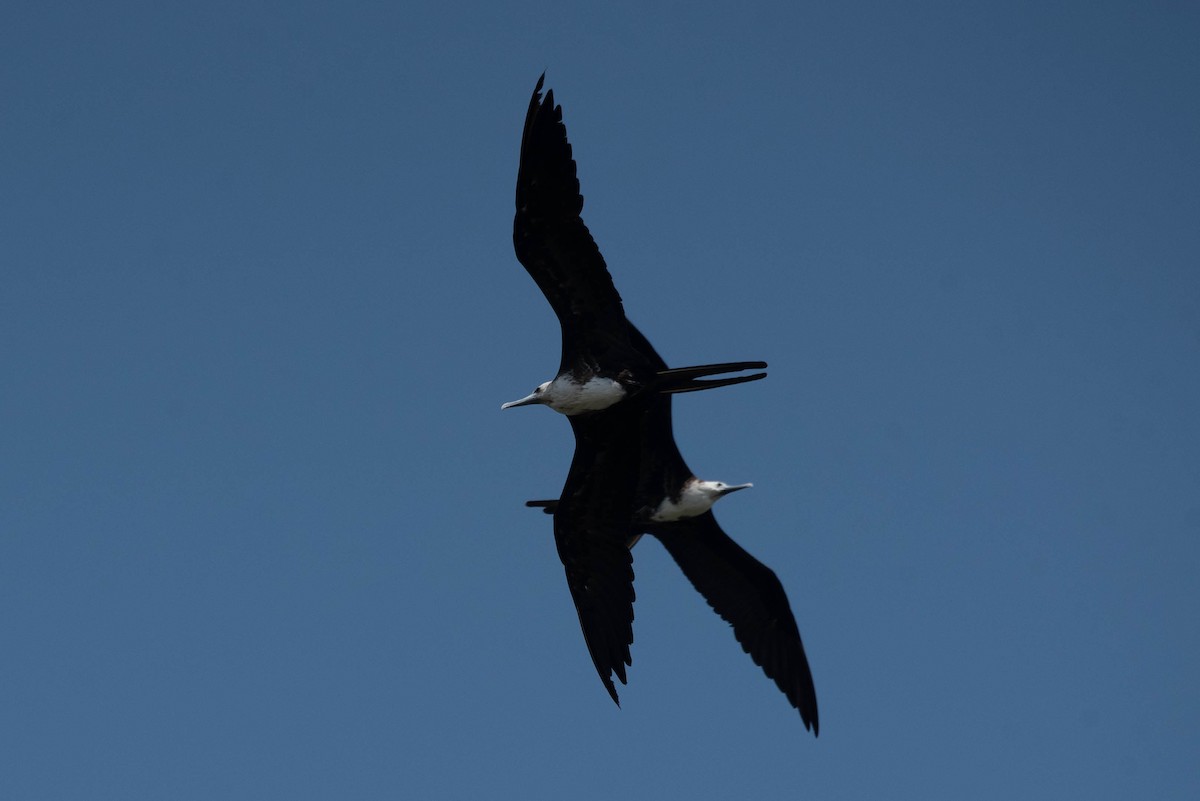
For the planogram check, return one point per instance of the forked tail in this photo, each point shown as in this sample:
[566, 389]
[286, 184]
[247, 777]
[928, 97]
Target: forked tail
[688, 379]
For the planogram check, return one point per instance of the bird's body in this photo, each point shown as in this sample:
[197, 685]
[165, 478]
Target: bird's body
[572, 394]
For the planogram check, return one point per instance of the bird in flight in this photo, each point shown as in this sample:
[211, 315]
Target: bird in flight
[627, 476]
[599, 366]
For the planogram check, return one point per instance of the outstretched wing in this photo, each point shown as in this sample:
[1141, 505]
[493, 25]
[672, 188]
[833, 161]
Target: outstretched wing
[748, 595]
[592, 521]
[555, 246]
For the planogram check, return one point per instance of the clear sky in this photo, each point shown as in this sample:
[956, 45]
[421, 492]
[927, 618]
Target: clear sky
[261, 522]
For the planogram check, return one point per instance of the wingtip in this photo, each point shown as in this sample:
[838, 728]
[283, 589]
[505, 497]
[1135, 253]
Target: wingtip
[619, 671]
[807, 707]
[612, 691]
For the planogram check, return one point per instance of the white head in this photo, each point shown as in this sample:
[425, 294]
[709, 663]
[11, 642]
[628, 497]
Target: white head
[696, 498]
[716, 489]
[539, 395]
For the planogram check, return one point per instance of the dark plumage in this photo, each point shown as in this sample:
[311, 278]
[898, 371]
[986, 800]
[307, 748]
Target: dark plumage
[748, 595]
[590, 521]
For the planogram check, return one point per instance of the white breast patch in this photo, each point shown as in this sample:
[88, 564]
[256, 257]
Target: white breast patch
[569, 398]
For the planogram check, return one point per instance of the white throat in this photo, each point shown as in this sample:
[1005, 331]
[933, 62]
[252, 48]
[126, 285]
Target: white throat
[696, 498]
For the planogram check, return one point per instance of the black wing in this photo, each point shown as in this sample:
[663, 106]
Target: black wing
[555, 246]
[748, 595]
[592, 522]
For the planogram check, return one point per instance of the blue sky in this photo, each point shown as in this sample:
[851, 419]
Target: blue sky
[261, 523]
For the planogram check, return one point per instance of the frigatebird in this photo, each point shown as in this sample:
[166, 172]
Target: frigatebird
[675, 507]
[599, 366]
